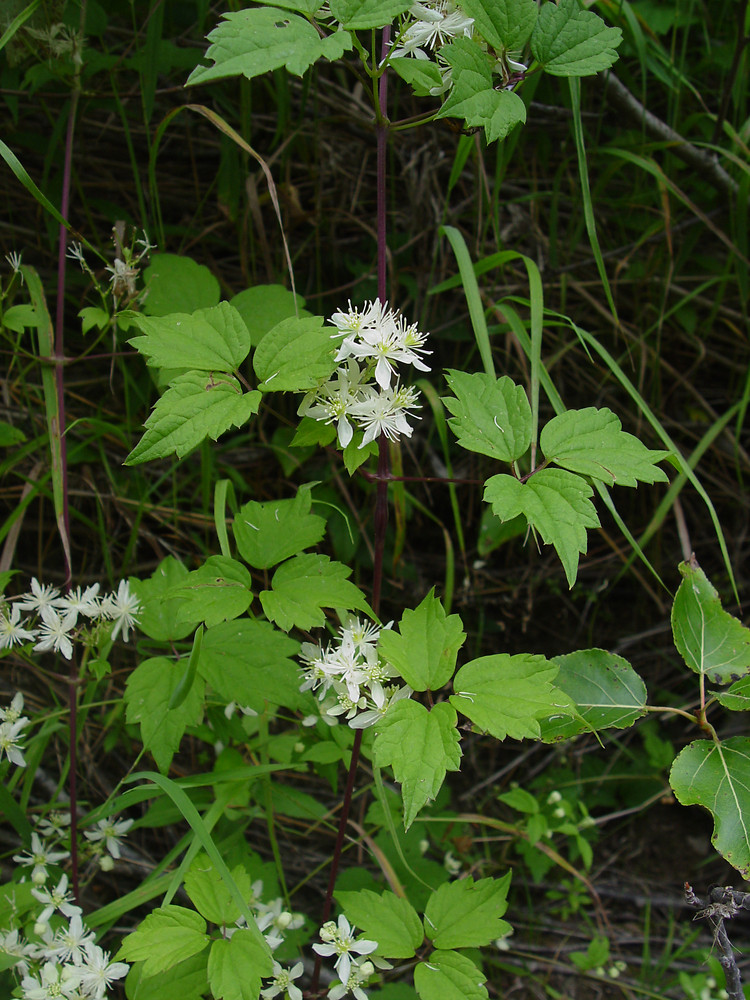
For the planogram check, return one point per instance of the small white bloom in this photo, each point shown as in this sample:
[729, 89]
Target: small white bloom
[41, 596]
[40, 856]
[360, 972]
[339, 940]
[54, 824]
[82, 602]
[55, 981]
[385, 413]
[283, 982]
[56, 899]
[122, 608]
[14, 944]
[70, 942]
[54, 632]
[111, 831]
[97, 972]
[10, 734]
[12, 628]
[14, 259]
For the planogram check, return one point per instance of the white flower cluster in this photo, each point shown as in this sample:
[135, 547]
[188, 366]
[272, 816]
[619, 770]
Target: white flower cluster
[58, 617]
[338, 939]
[375, 340]
[351, 678]
[64, 962]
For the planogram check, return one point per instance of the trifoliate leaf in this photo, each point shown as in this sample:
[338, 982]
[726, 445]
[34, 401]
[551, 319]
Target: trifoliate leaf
[304, 585]
[424, 649]
[263, 306]
[465, 914]
[167, 936]
[217, 592]
[209, 340]
[422, 75]
[295, 355]
[255, 41]
[603, 687]
[147, 696]
[490, 416]
[505, 24]
[249, 662]
[592, 443]
[177, 284]
[210, 893]
[237, 965]
[716, 775]
[196, 406]
[185, 981]
[570, 41]
[555, 503]
[357, 14]
[267, 533]
[507, 695]
[449, 975]
[386, 918]
[709, 639]
[421, 746]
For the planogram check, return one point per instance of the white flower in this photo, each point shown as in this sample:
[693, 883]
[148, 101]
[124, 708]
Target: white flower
[41, 597]
[56, 899]
[12, 629]
[122, 608]
[339, 941]
[40, 856]
[10, 733]
[97, 972]
[359, 973]
[54, 824]
[333, 400]
[14, 259]
[56, 981]
[433, 25]
[385, 413]
[54, 632]
[69, 942]
[282, 982]
[111, 832]
[82, 602]
[13, 944]
[14, 711]
[386, 343]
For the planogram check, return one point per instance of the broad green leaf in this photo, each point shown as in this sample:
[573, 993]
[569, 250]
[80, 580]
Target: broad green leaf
[167, 936]
[209, 340]
[603, 687]
[237, 965]
[267, 533]
[709, 639]
[421, 746]
[554, 502]
[449, 975]
[158, 615]
[506, 695]
[186, 981]
[717, 777]
[424, 649]
[263, 306]
[197, 405]
[216, 592]
[250, 662]
[303, 6]
[421, 74]
[295, 355]
[210, 894]
[17, 318]
[148, 692]
[737, 698]
[92, 318]
[386, 918]
[570, 41]
[304, 585]
[178, 284]
[10, 435]
[254, 41]
[490, 416]
[496, 111]
[505, 24]
[357, 14]
[592, 443]
[465, 914]
[520, 800]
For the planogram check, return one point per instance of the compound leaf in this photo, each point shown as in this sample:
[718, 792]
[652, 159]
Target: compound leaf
[424, 649]
[490, 416]
[267, 533]
[386, 918]
[467, 914]
[209, 340]
[570, 41]
[305, 584]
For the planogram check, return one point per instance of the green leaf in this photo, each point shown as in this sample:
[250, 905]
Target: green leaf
[425, 651]
[236, 966]
[209, 340]
[505, 24]
[158, 616]
[386, 918]
[592, 443]
[449, 975]
[737, 698]
[167, 936]
[17, 318]
[219, 591]
[717, 777]
[177, 284]
[570, 41]
[465, 914]
[267, 533]
[250, 662]
[357, 14]
[263, 306]
[304, 585]
[10, 435]
[710, 640]
[295, 355]
[603, 687]
[421, 746]
[196, 406]
[148, 692]
[310, 7]
[421, 74]
[490, 416]
[210, 893]
[93, 318]
[186, 981]
[554, 502]
[255, 41]
[506, 695]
